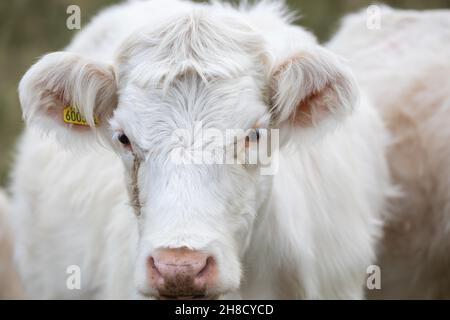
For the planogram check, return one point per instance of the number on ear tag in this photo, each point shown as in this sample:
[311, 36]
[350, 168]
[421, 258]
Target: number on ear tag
[73, 116]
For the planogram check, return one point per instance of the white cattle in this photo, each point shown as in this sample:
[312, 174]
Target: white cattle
[10, 287]
[107, 204]
[405, 68]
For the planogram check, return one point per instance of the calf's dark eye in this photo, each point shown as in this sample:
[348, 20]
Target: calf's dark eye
[254, 135]
[123, 139]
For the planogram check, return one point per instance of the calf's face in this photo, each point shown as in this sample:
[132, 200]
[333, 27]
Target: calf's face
[195, 215]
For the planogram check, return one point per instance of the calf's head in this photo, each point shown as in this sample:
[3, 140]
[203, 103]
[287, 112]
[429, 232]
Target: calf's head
[196, 73]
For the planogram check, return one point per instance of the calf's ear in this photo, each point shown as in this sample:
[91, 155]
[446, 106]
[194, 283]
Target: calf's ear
[312, 92]
[68, 94]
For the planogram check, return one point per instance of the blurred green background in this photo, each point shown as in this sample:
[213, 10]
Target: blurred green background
[30, 28]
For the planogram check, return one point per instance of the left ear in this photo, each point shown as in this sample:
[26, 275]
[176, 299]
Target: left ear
[312, 91]
[69, 95]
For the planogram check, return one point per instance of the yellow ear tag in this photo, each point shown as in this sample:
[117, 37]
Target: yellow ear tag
[73, 116]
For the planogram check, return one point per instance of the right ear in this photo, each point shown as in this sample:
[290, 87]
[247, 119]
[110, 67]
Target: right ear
[60, 80]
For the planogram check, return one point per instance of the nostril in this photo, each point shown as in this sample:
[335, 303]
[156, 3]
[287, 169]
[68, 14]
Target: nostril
[153, 270]
[151, 263]
[206, 268]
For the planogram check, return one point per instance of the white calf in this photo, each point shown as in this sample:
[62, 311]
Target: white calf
[139, 72]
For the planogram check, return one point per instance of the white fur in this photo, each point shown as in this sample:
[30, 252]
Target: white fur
[309, 231]
[10, 287]
[404, 67]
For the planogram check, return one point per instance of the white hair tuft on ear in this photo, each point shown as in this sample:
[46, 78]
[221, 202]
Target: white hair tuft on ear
[63, 79]
[312, 90]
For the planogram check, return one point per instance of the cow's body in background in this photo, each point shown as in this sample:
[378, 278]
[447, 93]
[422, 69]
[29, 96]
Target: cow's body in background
[10, 287]
[315, 222]
[405, 67]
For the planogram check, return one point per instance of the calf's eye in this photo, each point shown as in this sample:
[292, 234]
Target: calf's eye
[253, 136]
[123, 139]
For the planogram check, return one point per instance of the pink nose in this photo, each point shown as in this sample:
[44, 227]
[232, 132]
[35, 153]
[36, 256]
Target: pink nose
[182, 273]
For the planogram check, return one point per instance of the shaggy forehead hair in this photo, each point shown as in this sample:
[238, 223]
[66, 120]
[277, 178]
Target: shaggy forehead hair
[215, 44]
